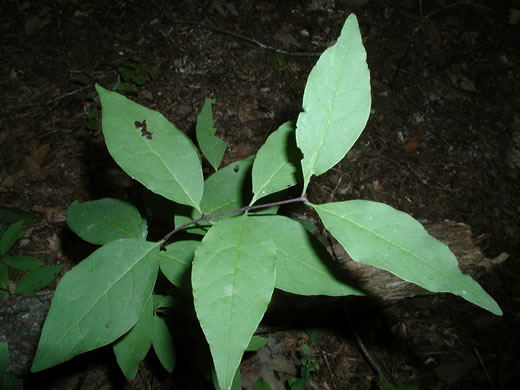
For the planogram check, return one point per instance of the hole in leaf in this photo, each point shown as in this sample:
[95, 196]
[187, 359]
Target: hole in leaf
[236, 168]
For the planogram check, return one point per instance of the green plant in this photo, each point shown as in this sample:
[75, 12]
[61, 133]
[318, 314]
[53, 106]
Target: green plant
[261, 384]
[255, 343]
[7, 381]
[278, 62]
[383, 384]
[308, 366]
[130, 76]
[246, 251]
[39, 275]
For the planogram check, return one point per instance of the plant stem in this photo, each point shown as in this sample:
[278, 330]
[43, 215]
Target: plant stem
[165, 239]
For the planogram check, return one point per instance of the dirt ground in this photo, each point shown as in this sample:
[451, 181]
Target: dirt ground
[442, 142]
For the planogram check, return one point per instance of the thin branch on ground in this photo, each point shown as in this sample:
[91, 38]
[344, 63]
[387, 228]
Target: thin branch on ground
[236, 35]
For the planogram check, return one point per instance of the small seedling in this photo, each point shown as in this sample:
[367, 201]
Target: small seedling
[383, 384]
[308, 366]
[261, 384]
[245, 248]
[314, 334]
[7, 381]
[39, 275]
[278, 62]
[130, 76]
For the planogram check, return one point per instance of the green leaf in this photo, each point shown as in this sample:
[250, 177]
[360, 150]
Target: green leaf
[336, 103]
[22, 263]
[7, 381]
[37, 279]
[126, 88]
[314, 334]
[130, 74]
[308, 225]
[104, 220]
[383, 384]
[98, 301]
[4, 275]
[12, 383]
[135, 72]
[138, 79]
[145, 70]
[11, 215]
[92, 124]
[134, 345]
[212, 146]
[187, 215]
[80, 78]
[261, 384]
[277, 164]
[162, 302]
[10, 236]
[92, 113]
[278, 62]
[163, 343]
[4, 359]
[376, 234]
[256, 343]
[233, 279]
[175, 263]
[225, 190]
[236, 385]
[297, 383]
[303, 265]
[154, 152]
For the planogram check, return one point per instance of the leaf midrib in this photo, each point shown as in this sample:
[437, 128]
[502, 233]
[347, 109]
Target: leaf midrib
[430, 265]
[152, 151]
[339, 76]
[97, 301]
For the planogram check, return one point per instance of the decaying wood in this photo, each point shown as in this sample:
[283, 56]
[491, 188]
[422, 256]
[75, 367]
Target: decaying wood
[382, 284]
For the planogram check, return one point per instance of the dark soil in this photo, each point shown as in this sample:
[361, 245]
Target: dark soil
[442, 142]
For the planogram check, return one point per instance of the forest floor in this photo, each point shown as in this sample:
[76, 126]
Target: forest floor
[442, 143]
